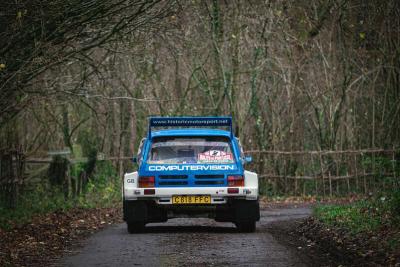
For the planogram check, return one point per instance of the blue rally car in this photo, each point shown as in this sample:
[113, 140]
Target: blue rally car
[189, 167]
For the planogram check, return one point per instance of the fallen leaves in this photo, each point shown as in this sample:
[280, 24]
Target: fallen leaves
[48, 236]
[362, 249]
[300, 201]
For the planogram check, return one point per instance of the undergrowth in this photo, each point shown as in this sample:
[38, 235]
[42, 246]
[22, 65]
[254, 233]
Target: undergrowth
[102, 190]
[364, 215]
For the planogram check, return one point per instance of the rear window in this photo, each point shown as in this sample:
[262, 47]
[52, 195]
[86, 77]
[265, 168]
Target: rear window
[191, 150]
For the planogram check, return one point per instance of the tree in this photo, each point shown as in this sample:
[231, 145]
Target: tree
[37, 36]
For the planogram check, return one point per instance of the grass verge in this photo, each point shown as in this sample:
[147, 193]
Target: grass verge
[364, 215]
[363, 233]
[102, 191]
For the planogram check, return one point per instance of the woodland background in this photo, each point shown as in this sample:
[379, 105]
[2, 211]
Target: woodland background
[313, 87]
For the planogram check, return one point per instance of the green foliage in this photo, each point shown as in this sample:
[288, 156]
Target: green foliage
[352, 217]
[38, 201]
[78, 153]
[77, 168]
[362, 216]
[380, 164]
[88, 142]
[104, 190]
[266, 188]
[91, 163]
[89, 145]
[394, 203]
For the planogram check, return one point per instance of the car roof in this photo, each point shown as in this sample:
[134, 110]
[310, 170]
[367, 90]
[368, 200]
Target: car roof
[190, 132]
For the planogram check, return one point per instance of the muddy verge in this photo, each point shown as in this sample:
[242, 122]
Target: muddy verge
[328, 246]
[47, 236]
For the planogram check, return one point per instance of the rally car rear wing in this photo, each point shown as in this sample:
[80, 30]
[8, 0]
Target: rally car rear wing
[190, 122]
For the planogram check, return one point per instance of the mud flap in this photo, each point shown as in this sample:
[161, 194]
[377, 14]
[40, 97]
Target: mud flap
[156, 213]
[143, 212]
[246, 210]
[135, 211]
[224, 214]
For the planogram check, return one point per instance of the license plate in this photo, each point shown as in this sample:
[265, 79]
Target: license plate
[191, 199]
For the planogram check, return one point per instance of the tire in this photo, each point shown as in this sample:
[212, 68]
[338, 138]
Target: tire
[246, 227]
[135, 227]
[135, 211]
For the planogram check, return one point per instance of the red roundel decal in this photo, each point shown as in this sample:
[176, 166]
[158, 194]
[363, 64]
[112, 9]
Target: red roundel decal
[216, 156]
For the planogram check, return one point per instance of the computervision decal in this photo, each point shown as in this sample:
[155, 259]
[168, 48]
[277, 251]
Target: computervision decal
[191, 167]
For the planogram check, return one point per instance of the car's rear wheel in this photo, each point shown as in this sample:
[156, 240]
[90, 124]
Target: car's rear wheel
[246, 227]
[135, 227]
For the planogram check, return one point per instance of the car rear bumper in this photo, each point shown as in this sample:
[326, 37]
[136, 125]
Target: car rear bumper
[219, 195]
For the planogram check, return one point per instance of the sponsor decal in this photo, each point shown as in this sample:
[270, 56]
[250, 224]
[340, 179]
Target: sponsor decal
[161, 168]
[215, 156]
[190, 122]
[191, 143]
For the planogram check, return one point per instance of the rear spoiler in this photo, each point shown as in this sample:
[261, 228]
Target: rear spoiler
[189, 121]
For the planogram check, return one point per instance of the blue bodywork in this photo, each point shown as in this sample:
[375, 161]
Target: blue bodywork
[191, 175]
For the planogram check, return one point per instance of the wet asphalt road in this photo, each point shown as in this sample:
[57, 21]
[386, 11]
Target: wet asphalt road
[190, 242]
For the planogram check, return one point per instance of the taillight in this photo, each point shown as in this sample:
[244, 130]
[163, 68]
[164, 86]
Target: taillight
[235, 180]
[149, 192]
[146, 181]
[233, 190]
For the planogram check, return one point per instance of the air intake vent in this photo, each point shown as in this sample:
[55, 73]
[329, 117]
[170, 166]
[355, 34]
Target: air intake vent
[173, 176]
[173, 183]
[220, 182]
[210, 176]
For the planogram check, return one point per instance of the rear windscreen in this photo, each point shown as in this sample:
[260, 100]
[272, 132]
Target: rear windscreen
[191, 150]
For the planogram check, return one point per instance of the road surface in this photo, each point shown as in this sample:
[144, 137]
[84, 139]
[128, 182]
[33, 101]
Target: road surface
[190, 242]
